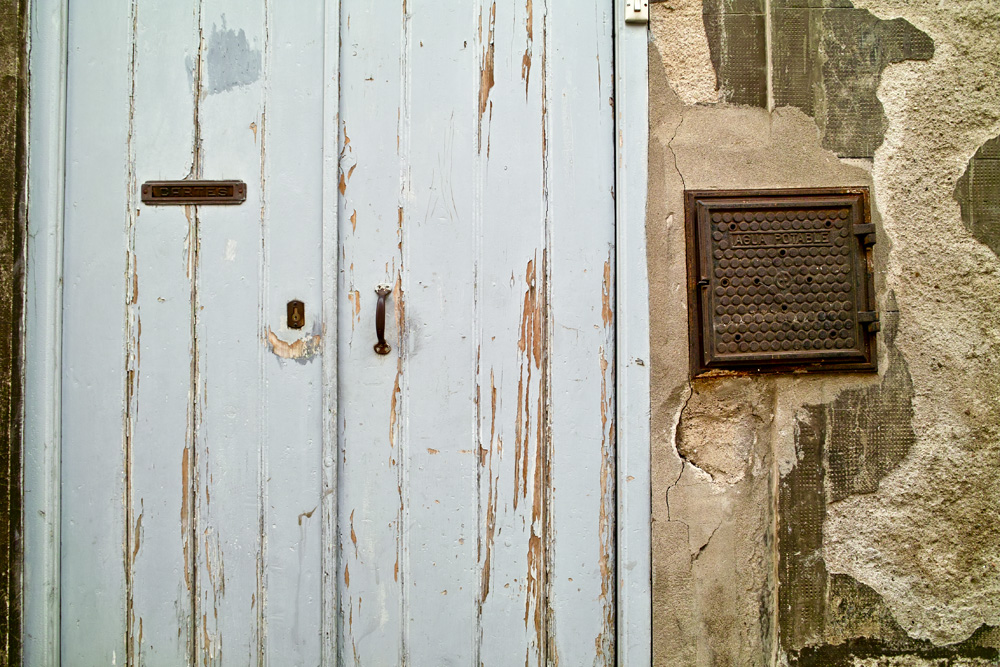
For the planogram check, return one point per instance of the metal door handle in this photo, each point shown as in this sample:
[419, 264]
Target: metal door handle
[383, 290]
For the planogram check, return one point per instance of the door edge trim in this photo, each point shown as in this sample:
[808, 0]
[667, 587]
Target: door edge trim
[634, 562]
[47, 64]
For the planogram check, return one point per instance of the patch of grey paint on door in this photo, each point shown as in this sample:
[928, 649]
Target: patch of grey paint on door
[230, 59]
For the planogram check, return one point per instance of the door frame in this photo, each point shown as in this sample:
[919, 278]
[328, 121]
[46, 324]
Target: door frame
[48, 49]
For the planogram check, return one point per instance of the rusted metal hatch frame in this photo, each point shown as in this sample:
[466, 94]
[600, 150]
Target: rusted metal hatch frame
[780, 281]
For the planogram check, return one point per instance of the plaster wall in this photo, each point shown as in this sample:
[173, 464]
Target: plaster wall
[13, 85]
[838, 518]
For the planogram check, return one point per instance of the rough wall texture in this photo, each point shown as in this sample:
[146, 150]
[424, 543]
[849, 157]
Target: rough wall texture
[978, 192]
[839, 519]
[12, 116]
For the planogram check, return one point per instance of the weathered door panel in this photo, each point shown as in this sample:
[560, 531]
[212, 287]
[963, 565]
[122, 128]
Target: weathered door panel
[191, 477]
[476, 477]
[475, 480]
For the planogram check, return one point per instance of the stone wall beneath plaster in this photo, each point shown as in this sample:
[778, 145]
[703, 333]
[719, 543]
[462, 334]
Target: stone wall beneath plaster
[13, 98]
[838, 519]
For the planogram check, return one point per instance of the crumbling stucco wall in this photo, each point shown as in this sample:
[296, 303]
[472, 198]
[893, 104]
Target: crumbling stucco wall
[13, 93]
[837, 519]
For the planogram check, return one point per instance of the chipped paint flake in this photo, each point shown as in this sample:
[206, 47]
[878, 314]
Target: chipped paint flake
[526, 58]
[486, 79]
[306, 515]
[302, 349]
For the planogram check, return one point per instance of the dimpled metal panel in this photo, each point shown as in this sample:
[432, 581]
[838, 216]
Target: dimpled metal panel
[780, 280]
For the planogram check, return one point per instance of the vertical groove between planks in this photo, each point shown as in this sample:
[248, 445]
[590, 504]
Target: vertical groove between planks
[263, 308]
[131, 352]
[331, 260]
[192, 492]
[402, 378]
[546, 651]
[481, 521]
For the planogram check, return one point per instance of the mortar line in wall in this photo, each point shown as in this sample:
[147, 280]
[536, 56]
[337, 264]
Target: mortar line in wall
[768, 54]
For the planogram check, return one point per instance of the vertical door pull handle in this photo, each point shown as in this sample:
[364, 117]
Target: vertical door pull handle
[383, 290]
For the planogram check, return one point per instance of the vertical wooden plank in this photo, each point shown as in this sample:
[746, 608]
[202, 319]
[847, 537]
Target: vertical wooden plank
[43, 331]
[330, 591]
[372, 432]
[580, 178]
[292, 187]
[230, 414]
[440, 65]
[160, 617]
[512, 301]
[98, 204]
[632, 304]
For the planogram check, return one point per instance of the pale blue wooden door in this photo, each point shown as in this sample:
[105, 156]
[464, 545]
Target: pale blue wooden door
[236, 491]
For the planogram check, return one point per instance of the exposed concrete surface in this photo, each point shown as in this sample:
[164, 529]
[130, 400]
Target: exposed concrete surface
[678, 28]
[905, 555]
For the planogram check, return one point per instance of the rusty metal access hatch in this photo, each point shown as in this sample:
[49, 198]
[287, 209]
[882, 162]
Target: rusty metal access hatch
[780, 280]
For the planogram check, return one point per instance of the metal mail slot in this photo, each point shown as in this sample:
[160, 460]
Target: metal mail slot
[178, 193]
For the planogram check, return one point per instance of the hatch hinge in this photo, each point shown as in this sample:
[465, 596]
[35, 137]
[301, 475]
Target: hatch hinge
[637, 11]
[866, 233]
[870, 319]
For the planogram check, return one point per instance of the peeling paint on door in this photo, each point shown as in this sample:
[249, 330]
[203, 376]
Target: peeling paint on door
[500, 321]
